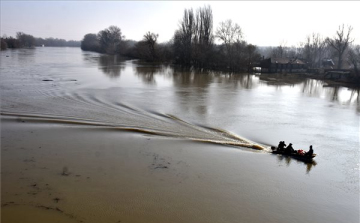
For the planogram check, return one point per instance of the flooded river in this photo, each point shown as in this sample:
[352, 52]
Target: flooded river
[83, 106]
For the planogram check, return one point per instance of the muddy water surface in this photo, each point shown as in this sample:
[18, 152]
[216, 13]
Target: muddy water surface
[67, 152]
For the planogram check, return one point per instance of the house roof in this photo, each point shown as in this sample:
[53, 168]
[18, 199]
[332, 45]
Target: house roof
[280, 60]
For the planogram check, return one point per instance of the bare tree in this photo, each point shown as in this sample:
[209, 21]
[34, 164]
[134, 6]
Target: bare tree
[314, 49]
[340, 42]
[354, 58]
[187, 32]
[110, 39]
[231, 34]
[252, 54]
[183, 38]
[25, 40]
[193, 41]
[204, 26]
[279, 51]
[146, 49]
[203, 36]
[294, 51]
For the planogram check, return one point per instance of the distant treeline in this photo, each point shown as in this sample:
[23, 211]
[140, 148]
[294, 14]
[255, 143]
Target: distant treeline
[23, 40]
[193, 45]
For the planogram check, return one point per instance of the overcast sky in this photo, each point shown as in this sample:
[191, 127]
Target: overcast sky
[264, 23]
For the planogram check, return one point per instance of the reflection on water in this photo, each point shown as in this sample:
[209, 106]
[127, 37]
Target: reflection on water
[192, 89]
[279, 80]
[288, 160]
[318, 88]
[200, 81]
[23, 56]
[147, 71]
[111, 66]
[314, 88]
[203, 79]
[242, 103]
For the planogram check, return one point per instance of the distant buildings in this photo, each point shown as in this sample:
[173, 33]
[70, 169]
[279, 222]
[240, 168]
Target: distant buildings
[283, 65]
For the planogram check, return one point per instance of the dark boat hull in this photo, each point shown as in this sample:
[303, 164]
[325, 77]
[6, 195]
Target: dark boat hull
[296, 156]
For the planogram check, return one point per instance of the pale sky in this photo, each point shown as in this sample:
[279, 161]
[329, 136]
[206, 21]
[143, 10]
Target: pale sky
[264, 23]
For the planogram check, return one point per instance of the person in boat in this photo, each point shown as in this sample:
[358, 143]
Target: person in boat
[289, 149]
[281, 146]
[310, 152]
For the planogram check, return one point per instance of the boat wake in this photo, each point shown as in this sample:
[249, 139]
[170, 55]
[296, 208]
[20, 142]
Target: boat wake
[86, 109]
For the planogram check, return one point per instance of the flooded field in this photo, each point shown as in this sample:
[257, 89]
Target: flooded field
[92, 138]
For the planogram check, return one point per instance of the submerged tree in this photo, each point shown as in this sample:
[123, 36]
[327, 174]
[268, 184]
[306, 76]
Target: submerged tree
[340, 42]
[203, 37]
[151, 40]
[110, 40]
[252, 55]
[183, 39]
[25, 40]
[146, 49]
[193, 41]
[90, 43]
[231, 35]
[11, 42]
[4, 45]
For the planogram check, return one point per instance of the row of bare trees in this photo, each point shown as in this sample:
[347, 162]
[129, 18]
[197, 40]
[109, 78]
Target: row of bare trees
[193, 45]
[193, 41]
[316, 48]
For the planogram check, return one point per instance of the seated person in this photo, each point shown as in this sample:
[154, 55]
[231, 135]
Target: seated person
[289, 149]
[310, 152]
[281, 146]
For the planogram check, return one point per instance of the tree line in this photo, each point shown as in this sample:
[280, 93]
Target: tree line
[315, 48]
[24, 40]
[193, 45]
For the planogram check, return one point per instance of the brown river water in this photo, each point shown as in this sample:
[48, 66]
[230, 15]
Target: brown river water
[87, 137]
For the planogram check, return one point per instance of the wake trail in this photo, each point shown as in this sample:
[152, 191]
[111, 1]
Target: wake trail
[90, 110]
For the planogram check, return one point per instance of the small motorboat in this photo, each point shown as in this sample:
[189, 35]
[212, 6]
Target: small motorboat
[295, 155]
